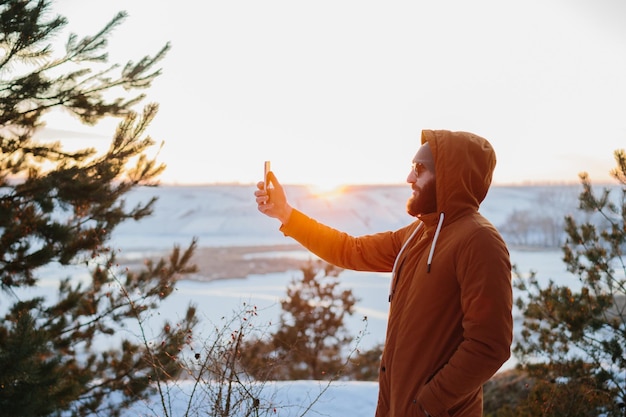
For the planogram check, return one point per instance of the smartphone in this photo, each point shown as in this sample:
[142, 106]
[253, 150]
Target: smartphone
[266, 168]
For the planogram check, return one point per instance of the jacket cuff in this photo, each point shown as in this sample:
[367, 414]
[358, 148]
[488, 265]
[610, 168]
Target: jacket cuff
[287, 226]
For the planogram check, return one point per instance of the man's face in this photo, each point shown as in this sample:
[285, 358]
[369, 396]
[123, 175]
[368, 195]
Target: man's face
[422, 180]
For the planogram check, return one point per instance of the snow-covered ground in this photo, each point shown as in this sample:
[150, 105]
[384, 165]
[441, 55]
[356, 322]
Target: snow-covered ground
[280, 399]
[222, 215]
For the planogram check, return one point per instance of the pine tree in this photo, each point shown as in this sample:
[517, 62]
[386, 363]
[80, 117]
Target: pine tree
[573, 341]
[311, 338]
[312, 332]
[59, 209]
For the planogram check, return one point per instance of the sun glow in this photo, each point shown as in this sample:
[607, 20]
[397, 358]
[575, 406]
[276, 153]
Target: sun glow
[327, 190]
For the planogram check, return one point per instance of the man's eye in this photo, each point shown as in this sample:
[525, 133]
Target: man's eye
[418, 168]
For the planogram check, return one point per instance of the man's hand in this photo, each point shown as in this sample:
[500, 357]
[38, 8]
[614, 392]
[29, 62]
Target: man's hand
[273, 201]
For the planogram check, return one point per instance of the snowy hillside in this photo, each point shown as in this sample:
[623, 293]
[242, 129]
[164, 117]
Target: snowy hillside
[223, 215]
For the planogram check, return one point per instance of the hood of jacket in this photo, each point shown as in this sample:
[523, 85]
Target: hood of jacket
[464, 165]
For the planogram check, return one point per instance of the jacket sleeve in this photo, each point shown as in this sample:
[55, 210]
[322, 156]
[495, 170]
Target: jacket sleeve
[373, 253]
[484, 275]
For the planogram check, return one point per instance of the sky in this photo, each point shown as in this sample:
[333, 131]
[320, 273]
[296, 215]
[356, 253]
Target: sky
[337, 92]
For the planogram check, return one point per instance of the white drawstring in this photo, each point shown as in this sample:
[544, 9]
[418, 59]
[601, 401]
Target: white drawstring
[430, 254]
[432, 246]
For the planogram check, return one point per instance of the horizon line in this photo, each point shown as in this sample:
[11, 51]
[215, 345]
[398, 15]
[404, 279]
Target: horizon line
[526, 183]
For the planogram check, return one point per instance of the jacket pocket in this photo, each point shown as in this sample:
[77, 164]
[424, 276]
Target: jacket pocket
[418, 411]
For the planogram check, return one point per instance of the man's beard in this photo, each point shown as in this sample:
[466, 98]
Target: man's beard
[424, 201]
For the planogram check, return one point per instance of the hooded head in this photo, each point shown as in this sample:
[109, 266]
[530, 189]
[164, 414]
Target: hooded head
[464, 164]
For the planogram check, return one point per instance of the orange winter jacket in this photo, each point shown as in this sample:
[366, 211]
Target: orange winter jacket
[450, 326]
